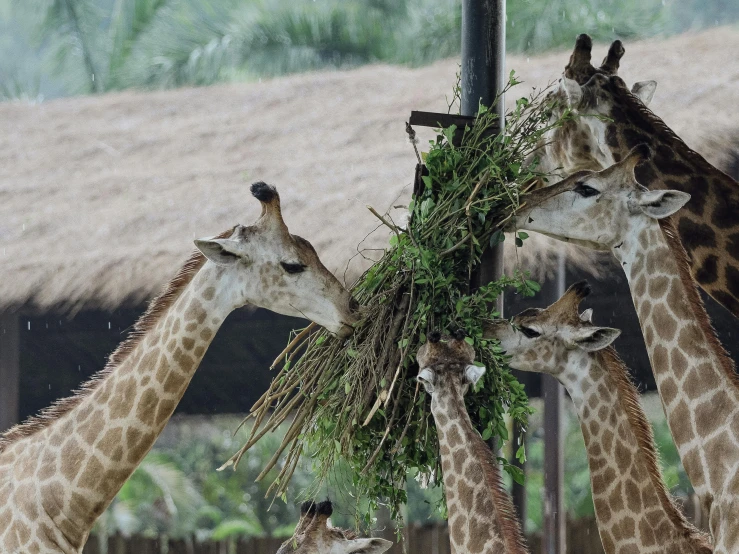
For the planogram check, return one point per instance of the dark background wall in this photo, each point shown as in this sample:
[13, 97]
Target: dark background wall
[58, 353]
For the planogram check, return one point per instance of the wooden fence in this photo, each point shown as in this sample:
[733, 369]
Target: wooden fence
[582, 538]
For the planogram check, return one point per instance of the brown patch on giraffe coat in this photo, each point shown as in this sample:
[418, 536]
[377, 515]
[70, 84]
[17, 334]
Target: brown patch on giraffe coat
[664, 323]
[206, 334]
[195, 311]
[110, 441]
[209, 293]
[164, 411]
[91, 474]
[71, 455]
[145, 410]
[190, 327]
[669, 392]
[136, 454]
[722, 452]
[706, 421]
[693, 466]
[678, 362]
[701, 380]
[125, 395]
[188, 343]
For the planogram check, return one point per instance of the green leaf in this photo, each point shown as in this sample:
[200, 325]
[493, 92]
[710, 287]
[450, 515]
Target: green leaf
[523, 235]
[497, 237]
[469, 340]
[487, 433]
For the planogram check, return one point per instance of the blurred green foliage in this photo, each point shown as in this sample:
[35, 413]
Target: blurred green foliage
[55, 47]
[177, 491]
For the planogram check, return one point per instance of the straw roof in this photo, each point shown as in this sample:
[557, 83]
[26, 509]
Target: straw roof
[102, 196]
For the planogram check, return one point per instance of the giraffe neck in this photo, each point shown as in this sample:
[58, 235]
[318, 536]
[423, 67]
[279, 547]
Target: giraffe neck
[697, 384]
[64, 473]
[481, 514]
[708, 226]
[627, 484]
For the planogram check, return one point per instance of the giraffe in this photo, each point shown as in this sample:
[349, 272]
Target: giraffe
[482, 518]
[60, 470]
[696, 379]
[633, 507]
[314, 534]
[610, 121]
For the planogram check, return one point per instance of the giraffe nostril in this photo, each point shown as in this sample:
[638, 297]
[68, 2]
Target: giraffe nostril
[353, 305]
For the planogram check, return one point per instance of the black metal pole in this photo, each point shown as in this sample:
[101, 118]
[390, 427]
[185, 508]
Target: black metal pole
[554, 536]
[483, 77]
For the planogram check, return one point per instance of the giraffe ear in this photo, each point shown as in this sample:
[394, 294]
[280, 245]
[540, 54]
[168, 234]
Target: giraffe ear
[473, 373]
[220, 251]
[592, 339]
[572, 91]
[659, 204]
[644, 91]
[426, 377]
[369, 546]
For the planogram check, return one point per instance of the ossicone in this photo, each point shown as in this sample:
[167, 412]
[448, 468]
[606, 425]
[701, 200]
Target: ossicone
[581, 290]
[264, 192]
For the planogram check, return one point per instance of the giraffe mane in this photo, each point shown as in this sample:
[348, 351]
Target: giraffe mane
[505, 513]
[629, 399]
[665, 133]
[156, 308]
[696, 303]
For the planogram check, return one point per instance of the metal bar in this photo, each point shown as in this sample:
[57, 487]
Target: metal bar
[554, 536]
[441, 120]
[483, 71]
[9, 370]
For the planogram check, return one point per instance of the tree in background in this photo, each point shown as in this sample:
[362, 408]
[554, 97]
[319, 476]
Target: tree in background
[98, 45]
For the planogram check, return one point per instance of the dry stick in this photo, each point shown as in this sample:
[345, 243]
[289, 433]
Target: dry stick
[275, 420]
[298, 338]
[386, 433]
[292, 433]
[385, 221]
[403, 353]
[395, 327]
[399, 442]
[291, 463]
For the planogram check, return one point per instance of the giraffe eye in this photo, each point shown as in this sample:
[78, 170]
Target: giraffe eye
[293, 268]
[585, 190]
[529, 332]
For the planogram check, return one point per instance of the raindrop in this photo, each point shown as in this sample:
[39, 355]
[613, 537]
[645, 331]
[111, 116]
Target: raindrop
[29, 324]
[79, 368]
[93, 77]
[49, 386]
[109, 325]
[24, 226]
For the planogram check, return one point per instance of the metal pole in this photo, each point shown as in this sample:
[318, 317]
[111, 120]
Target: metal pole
[554, 536]
[483, 77]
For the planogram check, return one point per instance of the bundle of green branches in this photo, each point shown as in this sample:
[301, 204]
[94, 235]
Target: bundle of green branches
[357, 399]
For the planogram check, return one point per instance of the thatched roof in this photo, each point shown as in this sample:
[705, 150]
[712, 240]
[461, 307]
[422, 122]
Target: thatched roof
[102, 196]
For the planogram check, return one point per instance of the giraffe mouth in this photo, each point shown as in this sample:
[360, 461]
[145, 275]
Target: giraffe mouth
[345, 331]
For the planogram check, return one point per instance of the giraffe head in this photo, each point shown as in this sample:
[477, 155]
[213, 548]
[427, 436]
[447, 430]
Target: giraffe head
[599, 210]
[585, 91]
[265, 266]
[542, 340]
[314, 533]
[446, 364]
